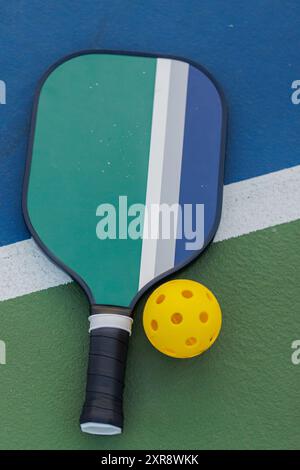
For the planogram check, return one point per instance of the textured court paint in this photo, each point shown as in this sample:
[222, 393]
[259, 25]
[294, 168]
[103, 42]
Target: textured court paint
[242, 394]
[248, 206]
[91, 146]
[252, 55]
[255, 59]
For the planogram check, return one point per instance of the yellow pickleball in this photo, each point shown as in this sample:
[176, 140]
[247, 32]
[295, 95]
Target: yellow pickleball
[182, 318]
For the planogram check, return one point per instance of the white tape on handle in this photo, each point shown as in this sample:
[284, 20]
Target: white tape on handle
[110, 320]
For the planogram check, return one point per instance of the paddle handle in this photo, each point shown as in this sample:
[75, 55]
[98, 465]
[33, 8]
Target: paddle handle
[103, 407]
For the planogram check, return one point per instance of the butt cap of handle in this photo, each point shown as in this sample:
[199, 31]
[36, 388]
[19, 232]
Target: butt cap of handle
[100, 429]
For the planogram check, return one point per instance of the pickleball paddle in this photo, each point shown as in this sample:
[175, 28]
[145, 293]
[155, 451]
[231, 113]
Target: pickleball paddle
[115, 135]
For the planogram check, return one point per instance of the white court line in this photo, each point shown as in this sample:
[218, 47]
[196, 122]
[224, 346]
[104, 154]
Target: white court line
[248, 206]
[259, 203]
[25, 269]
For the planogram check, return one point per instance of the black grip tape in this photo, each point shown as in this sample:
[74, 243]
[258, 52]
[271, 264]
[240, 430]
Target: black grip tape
[105, 377]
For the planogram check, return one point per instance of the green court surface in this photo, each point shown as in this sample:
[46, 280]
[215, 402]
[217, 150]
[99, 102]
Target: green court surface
[242, 394]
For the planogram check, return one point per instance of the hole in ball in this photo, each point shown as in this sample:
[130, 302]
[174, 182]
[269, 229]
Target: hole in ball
[191, 341]
[203, 317]
[154, 325]
[176, 318]
[187, 294]
[160, 299]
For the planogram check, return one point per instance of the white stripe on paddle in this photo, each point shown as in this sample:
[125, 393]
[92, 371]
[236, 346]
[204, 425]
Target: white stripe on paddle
[155, 168]
[173, 149]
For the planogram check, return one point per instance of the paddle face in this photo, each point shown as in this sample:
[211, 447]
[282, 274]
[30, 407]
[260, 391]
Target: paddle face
[116, 137]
